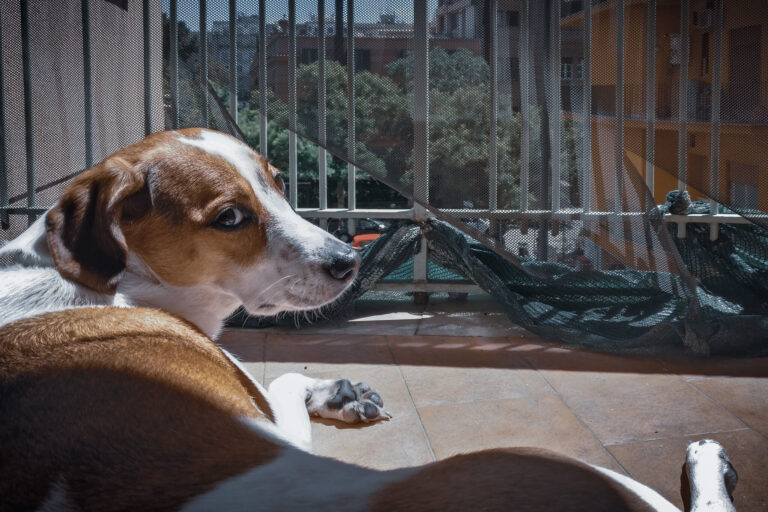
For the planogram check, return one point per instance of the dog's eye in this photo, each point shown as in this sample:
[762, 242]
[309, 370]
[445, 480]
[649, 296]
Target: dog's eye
[230, 218]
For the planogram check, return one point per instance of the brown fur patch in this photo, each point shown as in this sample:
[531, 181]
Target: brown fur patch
[521, 479]
[158, 198]
[130, 408]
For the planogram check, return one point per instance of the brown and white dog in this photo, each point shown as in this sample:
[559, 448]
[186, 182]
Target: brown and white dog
[132, 408]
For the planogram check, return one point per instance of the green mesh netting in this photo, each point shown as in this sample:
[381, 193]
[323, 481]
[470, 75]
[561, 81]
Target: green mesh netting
[556, 217]
[612, 310]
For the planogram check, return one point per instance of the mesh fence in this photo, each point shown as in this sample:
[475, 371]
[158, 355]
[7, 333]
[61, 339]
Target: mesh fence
[73, 92]
[544, 132]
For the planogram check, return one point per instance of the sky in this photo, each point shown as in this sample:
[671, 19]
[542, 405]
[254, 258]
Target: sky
[366, 11]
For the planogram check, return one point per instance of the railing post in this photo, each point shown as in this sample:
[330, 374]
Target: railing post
[586, 171]
[29, 137]
[204, 59]
[714, 160]
[4, 191]
[233, 59]
[263, 78]
[682, 139]
[555, 105]
[322, 162]
[293, 178]
[650, 105]
[174, 50]
[493, 165]
[351, 138]
[147, 32]
[87, 85]
[525, 111]
[420, 127]
[619, 163]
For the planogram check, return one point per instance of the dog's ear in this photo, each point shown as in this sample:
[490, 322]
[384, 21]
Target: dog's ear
[83, 229]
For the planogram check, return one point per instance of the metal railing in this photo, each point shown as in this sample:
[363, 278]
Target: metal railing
[8, 203]
[420, 113]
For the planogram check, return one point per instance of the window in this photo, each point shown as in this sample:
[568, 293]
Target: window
[308, 55]
[453, 22]
[704, 53]
[580, 70]
[514, 68]
[362, 60]
[513, 18]
[743, 195]
[744, 185]
[566, 70]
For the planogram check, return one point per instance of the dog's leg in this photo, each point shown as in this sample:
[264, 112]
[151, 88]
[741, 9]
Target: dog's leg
[711, 477]
[294, 397]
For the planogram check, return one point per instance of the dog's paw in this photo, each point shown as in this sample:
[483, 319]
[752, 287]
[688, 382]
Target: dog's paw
[347, 402]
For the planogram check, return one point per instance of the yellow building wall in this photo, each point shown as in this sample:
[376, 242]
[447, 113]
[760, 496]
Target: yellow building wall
[745, 144]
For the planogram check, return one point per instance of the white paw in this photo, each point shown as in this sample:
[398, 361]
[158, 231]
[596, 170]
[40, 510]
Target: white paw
[347, 402]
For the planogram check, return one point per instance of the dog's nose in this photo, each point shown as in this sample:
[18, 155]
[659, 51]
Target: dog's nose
[342, 263]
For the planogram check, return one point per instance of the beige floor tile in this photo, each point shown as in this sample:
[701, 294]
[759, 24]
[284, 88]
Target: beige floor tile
[658, 464]
[390, 444]
[439, 385]
[624, 399]
[543, 422]
[457, 351]
[746, 397]
[321, 353]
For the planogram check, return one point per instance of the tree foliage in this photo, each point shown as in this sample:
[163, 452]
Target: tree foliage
[459, 132]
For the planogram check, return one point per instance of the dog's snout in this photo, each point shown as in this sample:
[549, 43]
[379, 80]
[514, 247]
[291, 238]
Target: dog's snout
[342, 263]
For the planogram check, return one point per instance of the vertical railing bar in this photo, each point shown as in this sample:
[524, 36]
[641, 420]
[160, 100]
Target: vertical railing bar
[292, 153]
[714, 164]
[174, 49]
[87, 85]
[4, 191]
[682, 139]
[618, 194]
[493, 165]
[586, 171]
[525, 132]
[351, 139]
[147, 31]
[263, 78]
[556, 104]
[420, 127]
[233, 59]
[322, 162]
[204, 59]
[29, 139]
[650, 103]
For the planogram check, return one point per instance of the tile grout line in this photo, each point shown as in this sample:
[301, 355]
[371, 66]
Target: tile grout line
[747, 425]
[418, 323]
[655, 439]
[578, 418]
[413, 403]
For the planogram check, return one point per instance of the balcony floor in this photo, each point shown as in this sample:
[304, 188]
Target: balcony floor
[458, 376]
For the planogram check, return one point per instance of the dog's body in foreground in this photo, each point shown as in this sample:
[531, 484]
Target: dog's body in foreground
[129, 408]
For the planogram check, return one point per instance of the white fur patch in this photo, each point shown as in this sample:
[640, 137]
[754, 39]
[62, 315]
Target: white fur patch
[655, 500]
[290, 276]
[56, 501]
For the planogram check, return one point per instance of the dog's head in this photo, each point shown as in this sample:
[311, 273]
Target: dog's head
[199, 209]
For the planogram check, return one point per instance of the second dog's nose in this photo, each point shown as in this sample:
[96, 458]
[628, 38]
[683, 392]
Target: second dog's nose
[342, 263]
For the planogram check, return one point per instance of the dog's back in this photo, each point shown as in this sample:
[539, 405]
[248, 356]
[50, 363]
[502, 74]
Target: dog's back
[105, 407]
